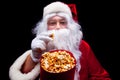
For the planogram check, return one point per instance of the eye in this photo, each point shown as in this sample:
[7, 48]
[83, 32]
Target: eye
[51, 23]
[63, 22]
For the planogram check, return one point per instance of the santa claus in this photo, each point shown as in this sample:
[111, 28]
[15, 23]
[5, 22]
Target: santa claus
[58, 31]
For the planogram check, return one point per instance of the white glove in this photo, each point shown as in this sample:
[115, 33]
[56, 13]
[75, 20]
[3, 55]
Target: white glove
[38, 45]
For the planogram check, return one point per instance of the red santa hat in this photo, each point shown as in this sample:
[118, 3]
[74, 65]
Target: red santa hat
[56, 7]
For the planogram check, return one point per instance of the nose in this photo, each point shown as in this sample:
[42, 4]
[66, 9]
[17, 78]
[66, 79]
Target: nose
[58, 26]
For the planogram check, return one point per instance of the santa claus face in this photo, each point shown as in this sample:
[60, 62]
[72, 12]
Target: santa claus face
[56, 22]
[58, 26]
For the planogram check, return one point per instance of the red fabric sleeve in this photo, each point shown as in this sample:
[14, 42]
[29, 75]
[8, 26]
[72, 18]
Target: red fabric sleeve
[91, 68]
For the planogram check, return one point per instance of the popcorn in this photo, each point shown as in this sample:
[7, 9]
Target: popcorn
[57, 61]
[52, 35]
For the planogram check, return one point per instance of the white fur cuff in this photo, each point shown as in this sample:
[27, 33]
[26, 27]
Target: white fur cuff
[16, 74]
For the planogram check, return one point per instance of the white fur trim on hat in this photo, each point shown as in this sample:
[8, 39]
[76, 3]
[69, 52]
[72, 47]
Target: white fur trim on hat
[57, 7]
[15, 69]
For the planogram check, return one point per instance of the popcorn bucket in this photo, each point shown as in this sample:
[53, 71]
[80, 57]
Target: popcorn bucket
[57, 65]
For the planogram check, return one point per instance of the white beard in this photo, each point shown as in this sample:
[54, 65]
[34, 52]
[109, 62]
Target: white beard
[61, 40]
[67, 40]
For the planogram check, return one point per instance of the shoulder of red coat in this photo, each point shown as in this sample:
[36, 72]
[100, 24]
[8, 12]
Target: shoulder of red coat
[84, 44]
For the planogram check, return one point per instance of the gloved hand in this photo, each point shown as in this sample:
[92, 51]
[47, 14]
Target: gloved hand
[38, 45]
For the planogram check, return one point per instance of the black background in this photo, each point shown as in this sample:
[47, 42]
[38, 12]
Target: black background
[20, 16]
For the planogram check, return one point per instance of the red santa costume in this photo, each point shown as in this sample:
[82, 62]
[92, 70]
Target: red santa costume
[87, 67]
